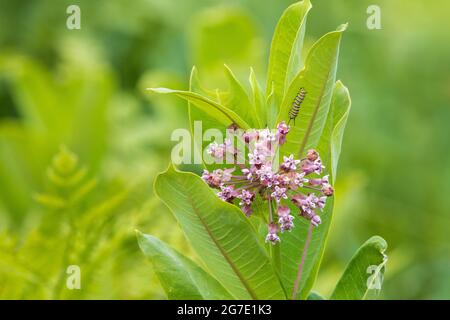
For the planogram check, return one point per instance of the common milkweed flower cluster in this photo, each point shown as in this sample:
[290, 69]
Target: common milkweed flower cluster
[299, 181]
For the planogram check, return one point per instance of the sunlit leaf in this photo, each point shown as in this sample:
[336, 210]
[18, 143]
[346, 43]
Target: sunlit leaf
[221, 236]
[364, 271]
[219, 112]
[180, 277]
[287, 41]
[292, 244]
[317, 79]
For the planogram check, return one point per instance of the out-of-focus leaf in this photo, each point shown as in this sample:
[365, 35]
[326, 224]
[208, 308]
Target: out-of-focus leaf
[364, 271]
[50, 201]
[317, 79]
[287, 41]
[224, 34]
[221, 235]
[180, 277]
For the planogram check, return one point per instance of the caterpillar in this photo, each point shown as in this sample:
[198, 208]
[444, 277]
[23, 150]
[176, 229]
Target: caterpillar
[293, 113]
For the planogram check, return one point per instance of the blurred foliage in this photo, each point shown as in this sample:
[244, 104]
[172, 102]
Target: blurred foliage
[82, 89]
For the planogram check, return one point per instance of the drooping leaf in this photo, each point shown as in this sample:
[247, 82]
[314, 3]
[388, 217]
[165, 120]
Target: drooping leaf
[201, 120]
[221, 236]
[285, 49]
[364, 271]
[317, 79]
[180, 277]
[292, 244]
[213, 109]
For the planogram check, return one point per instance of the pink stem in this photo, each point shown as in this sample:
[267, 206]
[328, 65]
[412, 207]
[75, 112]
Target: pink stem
[270, 211]
[302, 262]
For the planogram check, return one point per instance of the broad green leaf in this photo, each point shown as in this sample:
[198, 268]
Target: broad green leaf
[238, 100]
[258, 99]
[317, 79]
[285, 49]
[331, 139]
[292, 244]
[364, 271]
[180, 277]
[213, 109]
[221, 235]
[315, 296]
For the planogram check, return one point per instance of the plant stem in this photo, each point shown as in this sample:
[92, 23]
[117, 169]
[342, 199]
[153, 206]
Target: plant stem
[270, 211]
[302, 262]
[275, 252]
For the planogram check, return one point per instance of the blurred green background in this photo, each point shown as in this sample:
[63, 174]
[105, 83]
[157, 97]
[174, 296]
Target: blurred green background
[81, 142]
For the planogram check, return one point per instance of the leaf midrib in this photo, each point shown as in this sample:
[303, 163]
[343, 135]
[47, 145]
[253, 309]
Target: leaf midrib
[314, 115]
[222, 251]
[216, 107]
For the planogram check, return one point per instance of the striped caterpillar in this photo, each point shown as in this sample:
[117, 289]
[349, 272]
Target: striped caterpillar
[293, 113]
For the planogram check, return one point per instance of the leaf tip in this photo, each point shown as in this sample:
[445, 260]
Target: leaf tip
[158, 90]
[378, 242]
[342, 27]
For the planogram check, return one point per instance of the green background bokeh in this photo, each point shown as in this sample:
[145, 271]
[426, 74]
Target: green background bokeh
[84, 89]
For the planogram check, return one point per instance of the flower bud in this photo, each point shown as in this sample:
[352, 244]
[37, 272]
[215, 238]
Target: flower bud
[312, 155]
[327, 189]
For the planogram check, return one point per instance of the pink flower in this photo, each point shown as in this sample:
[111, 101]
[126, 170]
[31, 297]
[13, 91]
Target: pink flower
[279, 193]
[272, 236]
[307, 204]
[246, 198]
[327, 189]
[309, 166]
[316, 221]
[250, 135]
[247, 210]
[216, 150]
[250, 174]
[217, 177]
[285, 219]
[312, 155]
[227, 193]
[319, 181]
[282, 131]
[258, 177]
[256, 158]
[289, 163]
[266, 175]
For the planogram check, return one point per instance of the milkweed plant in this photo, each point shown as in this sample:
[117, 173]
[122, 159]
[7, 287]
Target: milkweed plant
[259, 216]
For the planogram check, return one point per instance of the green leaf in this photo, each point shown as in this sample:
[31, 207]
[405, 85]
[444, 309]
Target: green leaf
[315, 296]
[221, 235]
[213, 109]
[364, 270]
[292, 244]
[317, 79]
[331, 139]
[258, 99]
[237, 100]
[180, 277]
[285, 50]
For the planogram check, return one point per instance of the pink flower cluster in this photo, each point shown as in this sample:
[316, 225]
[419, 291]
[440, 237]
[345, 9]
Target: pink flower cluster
[294, 180]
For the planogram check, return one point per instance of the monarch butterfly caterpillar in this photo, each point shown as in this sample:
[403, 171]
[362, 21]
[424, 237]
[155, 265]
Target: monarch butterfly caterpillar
[293, 113]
